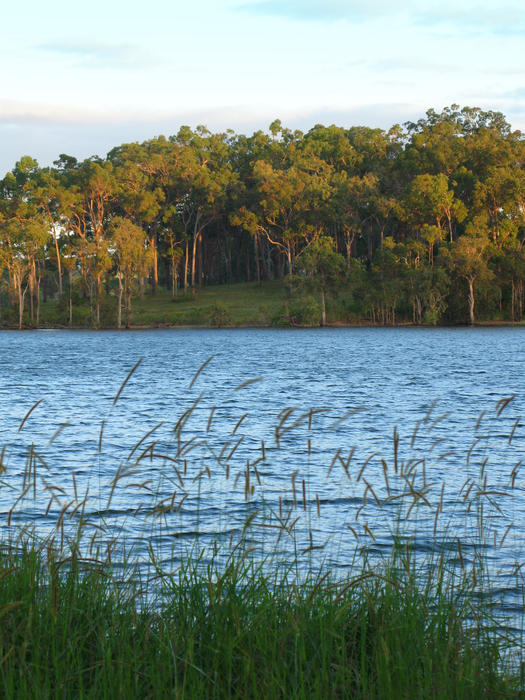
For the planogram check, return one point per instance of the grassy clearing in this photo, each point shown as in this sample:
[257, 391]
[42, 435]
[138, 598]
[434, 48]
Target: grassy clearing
[246, 304]
[219, 619]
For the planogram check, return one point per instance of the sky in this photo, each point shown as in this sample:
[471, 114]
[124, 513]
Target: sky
[81, 78]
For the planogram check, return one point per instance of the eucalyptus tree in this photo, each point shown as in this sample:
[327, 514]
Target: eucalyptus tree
[387, 281]
[292, 192]
[85, 206]
[432, 210]
[201, 179]
[500, 200]
[132, 260]
[140, 196]
[244, 211]
[377, 192]
[47, 193]
[93, 190]
[321, 268]
[25, 235]
[468, 259]
[436, 144]
[508, 262]
[352, 209]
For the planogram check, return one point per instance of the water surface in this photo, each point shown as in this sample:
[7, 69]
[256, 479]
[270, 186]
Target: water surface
[440, 380]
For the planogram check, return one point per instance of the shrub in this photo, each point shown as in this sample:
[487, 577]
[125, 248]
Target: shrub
[305, 311]
[219, 315]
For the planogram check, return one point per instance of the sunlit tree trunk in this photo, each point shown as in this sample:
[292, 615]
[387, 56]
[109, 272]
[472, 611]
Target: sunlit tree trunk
[470, 281]
[186, 265]
[70, 273]
[257, 263]
[119, 300]
[155, 264]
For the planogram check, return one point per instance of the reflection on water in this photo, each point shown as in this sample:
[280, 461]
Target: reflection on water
[308, 455]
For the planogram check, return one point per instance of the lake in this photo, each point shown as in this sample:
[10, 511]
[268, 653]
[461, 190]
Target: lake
[336, 471]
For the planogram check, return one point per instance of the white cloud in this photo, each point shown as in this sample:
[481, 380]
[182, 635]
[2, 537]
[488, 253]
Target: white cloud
[100, 54]
[485, 16]
[44, 132]
[490, 18]
[318, 10]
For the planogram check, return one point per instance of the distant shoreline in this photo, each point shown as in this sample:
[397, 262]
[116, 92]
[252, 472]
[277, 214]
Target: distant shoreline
[329, 326]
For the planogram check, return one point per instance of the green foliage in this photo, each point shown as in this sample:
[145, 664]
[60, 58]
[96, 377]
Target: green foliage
[69, 631]
[219, 315]
[304, 311]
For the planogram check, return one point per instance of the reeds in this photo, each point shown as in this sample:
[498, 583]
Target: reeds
[216, 566]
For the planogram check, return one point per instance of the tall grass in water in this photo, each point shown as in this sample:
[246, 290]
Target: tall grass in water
[253, 604]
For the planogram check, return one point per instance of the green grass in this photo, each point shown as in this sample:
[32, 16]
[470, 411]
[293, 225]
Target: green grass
[68, 630]
[246, 304]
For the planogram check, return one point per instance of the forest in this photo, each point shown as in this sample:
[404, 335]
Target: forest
[423, 224]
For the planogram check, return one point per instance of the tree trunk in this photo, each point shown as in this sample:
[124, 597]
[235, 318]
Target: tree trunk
[200, 261]
[119, 301]
[97, 290]
[155, 264]
[174, 277]
[323, 308]
[196, 234]
[38, 301]
[246, 248]
[257, 264]
[59, 263]
[349, 241]
[264, 261]
[186, 261]
[70, 298]
[32, 290]
[127, 304]
[228, 257]
[470, 281]
[194, 260]
[21, 295]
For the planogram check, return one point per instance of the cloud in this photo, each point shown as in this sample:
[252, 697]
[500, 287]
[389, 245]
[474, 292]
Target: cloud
[317, 10]
[20, 114]
[488, 18]
[44, 131]
[412, 65]
[517, 94]
[485, 16]
[100, 54]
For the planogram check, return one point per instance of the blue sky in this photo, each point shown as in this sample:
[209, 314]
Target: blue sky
[82, 78]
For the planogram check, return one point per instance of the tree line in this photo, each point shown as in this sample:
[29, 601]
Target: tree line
[424, 222]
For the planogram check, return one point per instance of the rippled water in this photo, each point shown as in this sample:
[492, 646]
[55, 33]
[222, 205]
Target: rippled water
[375, 379]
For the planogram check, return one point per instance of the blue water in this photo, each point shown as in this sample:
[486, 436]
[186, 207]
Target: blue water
[193, 485]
